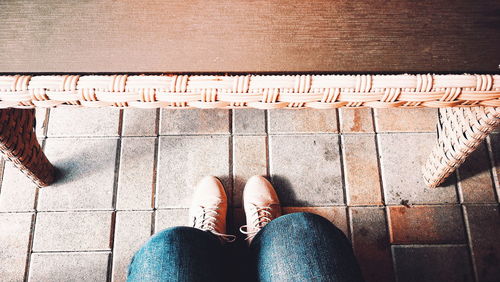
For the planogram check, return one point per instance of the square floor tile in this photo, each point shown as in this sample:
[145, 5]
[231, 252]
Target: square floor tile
[15, 231]
[17, 192]
[356, 120]
[171, 218]
[302, 121]
[249, 121]
[86, 174]
[64, 267]
[305, 170]
[83, 122]
[194, 121]
[426, 225]
[406, 120]
[361, 170]
[72, 231]
[249, 158]
[183, 161]
[483, 222]
[132, 230]
[432, 263]
[136, 174]
[370, 239]
[140, 122]
[401, 159]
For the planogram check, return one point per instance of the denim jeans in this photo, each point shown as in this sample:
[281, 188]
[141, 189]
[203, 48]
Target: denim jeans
[294, 247]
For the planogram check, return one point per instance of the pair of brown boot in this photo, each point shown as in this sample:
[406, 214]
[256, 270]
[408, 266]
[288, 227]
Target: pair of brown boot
[209, 207]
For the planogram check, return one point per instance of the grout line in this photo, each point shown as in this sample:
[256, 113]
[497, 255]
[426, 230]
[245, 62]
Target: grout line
[112, 246]
[115, 195]
[458, 186]
[120, 122]
[378, 156]
[394, 262]
[72, 251]
[493, 174]
[268, 144]
[429, 245]
[157, 122]
[33, 226]
[469, 242]
[2, 170]
[154, 190]
[285, 206]
[342, 171]
[45, 124]
[231, 158]
[238, 134]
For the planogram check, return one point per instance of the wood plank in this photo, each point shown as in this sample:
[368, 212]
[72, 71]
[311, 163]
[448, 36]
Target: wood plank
[249, 36]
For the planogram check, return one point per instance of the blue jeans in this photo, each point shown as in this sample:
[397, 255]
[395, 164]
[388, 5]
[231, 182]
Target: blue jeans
[294, 247]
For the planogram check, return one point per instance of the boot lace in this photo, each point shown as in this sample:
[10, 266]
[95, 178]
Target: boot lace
[206, 219]
[262, 216]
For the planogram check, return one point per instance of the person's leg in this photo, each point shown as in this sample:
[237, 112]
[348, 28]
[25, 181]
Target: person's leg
[303, 247]
[178, 254]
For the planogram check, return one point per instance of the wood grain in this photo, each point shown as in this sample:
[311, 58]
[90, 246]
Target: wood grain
[249, 36]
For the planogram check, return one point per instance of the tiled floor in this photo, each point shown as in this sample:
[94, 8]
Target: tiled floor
[127, 174]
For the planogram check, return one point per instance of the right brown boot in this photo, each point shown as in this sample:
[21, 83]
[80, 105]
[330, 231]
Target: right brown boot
[261, 205]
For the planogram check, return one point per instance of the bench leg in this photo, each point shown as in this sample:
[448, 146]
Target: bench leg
[18, 144]
[460, 132]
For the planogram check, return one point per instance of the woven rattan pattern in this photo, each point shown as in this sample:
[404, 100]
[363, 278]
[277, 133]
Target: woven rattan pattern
[460, 132]
[257, 91]
[18, 144]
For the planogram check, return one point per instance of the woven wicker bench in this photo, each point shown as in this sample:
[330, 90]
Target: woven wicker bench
[251, 37]
[469, 105]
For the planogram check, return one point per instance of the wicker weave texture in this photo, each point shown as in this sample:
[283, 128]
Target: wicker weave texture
[18, 144]
[257, 91]
[460, 132]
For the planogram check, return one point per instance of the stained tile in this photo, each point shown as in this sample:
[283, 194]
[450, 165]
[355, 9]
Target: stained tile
[362, 177]
[83, 122]
[17, 192]
[336, 215]
[14, 241]
[484, 228]
[354, 120]
[139, 122]
[249, 121]
[183, 161]
[194, 121]
[135, 177]
[86, 179]
[69, 267]
[302, 121]
[475, 182]
[132, 230]
[371, 245]
[72, 231]
[406, 120]
[426, 225]
[305, 170]
[401, 159]
[249, 158]
[432, 263]
[171, 218]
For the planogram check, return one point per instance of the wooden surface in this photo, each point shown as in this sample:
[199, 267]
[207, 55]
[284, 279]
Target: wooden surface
[249, 36]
